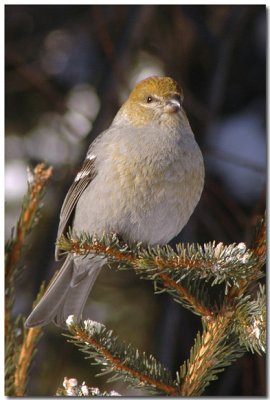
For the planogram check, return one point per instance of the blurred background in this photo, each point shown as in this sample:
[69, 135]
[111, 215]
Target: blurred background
[68, 69]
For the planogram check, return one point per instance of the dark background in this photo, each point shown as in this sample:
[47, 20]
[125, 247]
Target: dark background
[68, 69]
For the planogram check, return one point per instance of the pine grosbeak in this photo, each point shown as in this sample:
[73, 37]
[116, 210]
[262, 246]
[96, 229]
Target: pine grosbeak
[142, 178]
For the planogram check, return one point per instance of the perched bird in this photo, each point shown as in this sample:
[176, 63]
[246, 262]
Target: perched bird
[141, 178]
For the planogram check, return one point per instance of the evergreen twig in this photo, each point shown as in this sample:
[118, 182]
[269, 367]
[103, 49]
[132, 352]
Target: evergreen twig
[220, 343]
[180, 272]
[120, 359]
[228, 331]
[18, 356]
[28, 216]
[27, 352]
[250, 321]
[25, 358]
[215, 349]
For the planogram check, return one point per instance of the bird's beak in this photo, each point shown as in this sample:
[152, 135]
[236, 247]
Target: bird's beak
[172, 106]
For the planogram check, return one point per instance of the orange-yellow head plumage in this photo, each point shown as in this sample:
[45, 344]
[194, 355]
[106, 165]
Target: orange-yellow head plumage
[155, 85]
[154, 100]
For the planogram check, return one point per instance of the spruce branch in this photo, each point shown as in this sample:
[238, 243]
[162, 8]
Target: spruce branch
[215, 263]
[18, 355]
[27, 351]
[216, 348]
[121, 360]
[26, 354]
[194, 298]
[28, 216]
[237, 324]
[250, 321]
[181, 272]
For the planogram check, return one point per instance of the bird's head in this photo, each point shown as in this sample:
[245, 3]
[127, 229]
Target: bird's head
[154, 100]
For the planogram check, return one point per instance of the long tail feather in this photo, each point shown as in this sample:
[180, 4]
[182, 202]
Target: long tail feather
[68, 292]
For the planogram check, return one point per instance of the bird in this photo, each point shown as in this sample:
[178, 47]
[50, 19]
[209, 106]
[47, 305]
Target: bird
[141, 179]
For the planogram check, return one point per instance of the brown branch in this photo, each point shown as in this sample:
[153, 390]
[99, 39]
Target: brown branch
[184, 293]
[99, 248]
[13, 255]
[161, 263]
[41, 175]
[25, 357]
[216, 327]
[119, 256]
[118, 364]
[205, 359]
[27, 352]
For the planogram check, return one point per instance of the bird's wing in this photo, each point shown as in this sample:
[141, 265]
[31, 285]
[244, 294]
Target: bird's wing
[82, 180]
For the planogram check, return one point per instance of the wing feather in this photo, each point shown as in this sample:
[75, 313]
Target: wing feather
[82, 180]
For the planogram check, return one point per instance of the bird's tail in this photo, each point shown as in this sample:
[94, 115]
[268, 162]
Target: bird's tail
[68, 292]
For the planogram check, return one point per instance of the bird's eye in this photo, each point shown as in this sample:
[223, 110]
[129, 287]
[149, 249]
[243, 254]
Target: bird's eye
[149, 99]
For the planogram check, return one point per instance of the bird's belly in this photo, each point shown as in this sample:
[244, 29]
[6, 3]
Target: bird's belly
[146, 207]
[169, 208]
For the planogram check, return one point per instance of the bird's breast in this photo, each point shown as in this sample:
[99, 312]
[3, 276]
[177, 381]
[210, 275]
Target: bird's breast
[143, 191]
[160, 189]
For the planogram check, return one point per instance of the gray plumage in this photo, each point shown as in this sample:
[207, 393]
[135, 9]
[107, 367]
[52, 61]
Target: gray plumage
[68, 292]
[141, 178]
